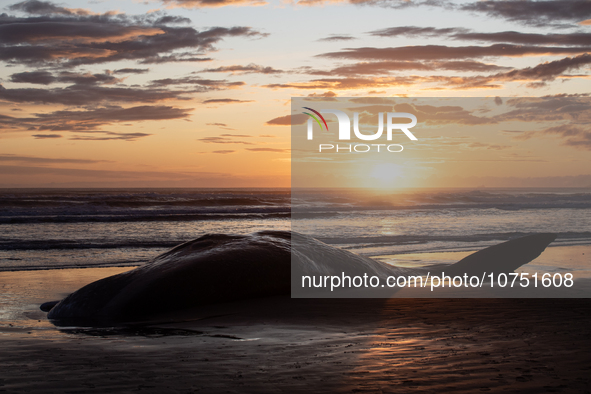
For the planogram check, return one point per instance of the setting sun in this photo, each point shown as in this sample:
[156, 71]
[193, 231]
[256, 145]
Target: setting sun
[386, 172]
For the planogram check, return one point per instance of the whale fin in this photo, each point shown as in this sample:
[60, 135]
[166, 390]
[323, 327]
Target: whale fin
[504, 257]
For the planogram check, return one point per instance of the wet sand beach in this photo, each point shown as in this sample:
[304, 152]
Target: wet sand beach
[289, 345]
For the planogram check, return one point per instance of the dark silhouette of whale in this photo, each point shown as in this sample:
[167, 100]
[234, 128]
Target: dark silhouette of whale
[220, 268]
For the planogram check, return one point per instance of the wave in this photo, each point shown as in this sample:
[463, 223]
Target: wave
[345, 242]
[49, 244]
[137, 199]
[417, 239]
[499, 199]
[137, 202]
[57, 228]
[278, 213]
[67, 206]
[127, 203]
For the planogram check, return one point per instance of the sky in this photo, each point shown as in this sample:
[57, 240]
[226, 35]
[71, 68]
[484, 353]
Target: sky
[469, 142]
[197, 93]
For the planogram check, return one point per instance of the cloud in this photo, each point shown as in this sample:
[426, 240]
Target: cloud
[236, 135]
[387, 67]
[373, 68]
[223, 152]
[87, 78]
[288, 120]
[481, 145]
[60, 40]
[108, 174]
[35, 77]
[442, 52]
[346, 83]
[82, 120]
[90, 93]
[414, 31]
[376, 68]
[536, 76]
[428, 114]
[512, 37]
[396, 4]
[226, 101]
[328, 94]
[46, 160]
[573, 110]
[87, 88]
[169, 19]
[72, 38]
[10, 122]
[539, 13]
[186, 57]
[275, 150]
[206, 84]
[46, 136]
[334, 37]
[131, 71]
[213, 3]
[571, 135]
[109, 136]
[90, 121]
[226, 139]
[570, 108]
[217, 124]
[249, 69]
[546, 71]
[46, 8]
[466, 66]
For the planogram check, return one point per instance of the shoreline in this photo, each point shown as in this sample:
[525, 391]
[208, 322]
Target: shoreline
[446, 256]
[578, 253]
[297, 345]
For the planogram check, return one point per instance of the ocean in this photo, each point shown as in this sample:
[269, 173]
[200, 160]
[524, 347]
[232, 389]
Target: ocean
[67, 228]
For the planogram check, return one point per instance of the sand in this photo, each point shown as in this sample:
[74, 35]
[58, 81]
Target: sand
[282, 345]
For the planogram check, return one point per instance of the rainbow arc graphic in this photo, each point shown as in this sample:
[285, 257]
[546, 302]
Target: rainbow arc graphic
[315, 118]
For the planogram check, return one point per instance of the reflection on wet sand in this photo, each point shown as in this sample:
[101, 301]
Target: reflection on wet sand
[305, 345]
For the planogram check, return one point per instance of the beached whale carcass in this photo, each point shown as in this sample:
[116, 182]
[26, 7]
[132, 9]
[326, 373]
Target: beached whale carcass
[221, 268]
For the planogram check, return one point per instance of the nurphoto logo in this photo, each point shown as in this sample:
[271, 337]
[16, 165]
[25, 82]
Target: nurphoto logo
[345, 130]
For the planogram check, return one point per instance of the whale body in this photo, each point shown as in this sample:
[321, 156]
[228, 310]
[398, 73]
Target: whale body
[218, 268]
